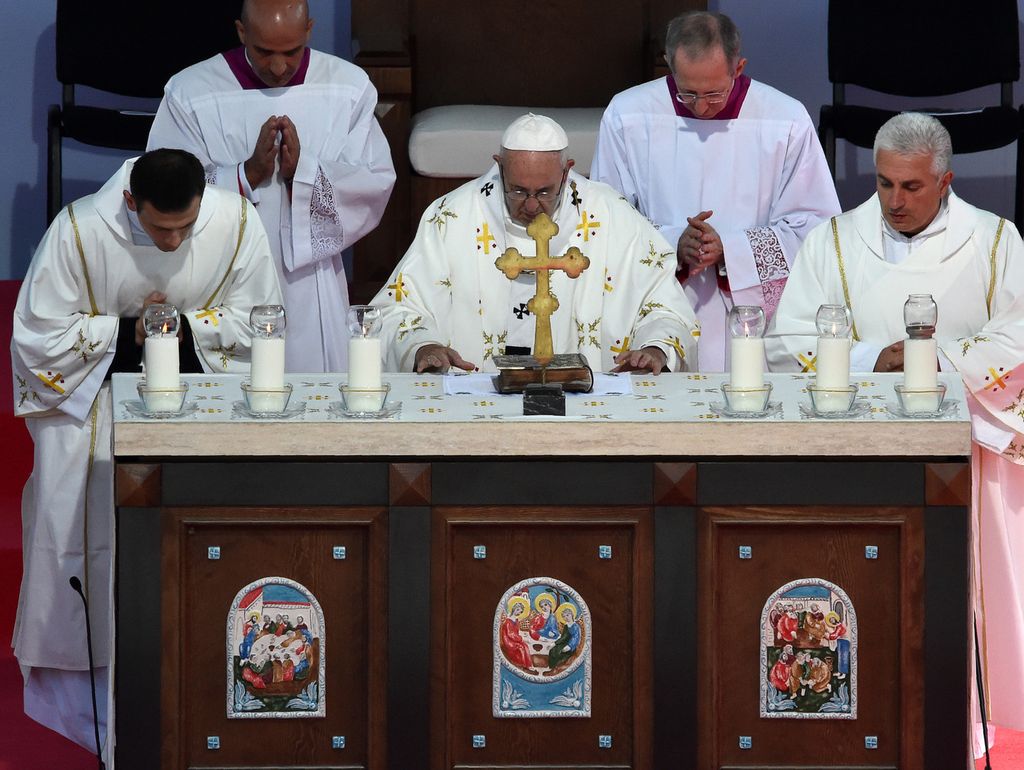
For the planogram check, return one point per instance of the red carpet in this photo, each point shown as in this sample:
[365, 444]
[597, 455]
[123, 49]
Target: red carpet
[25, 745]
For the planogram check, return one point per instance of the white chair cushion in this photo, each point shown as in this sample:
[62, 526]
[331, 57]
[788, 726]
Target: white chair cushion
[458, 140]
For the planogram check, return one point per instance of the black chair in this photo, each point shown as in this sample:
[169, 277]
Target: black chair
[925, 49]
[124, 48]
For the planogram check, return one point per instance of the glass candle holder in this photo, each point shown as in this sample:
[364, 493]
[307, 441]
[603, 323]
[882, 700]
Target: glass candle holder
[160, 351]
[832, 364]
[746, 350]
[268, 324]
[365, 362]
[920, 350]
[920, 314]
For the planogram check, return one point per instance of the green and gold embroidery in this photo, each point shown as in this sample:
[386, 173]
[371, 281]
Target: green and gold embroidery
[25, 392]
[225, 353]
[407, 327]
[1017, 405]
[82, 348]
[649, 308]
[654, 257]
[442, 215]
[586, 333]
[969, 342]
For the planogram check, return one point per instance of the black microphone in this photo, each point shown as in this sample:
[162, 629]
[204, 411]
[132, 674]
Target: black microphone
[76, 585]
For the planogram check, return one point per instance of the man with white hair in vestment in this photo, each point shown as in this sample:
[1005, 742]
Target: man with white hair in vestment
[446, 304]
[915, 236]
[729, 168]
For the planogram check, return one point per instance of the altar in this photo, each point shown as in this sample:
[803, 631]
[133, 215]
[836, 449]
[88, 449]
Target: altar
[643, 583]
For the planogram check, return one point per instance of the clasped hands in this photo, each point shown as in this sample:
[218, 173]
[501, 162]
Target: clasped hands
[700, 246]
[441, 358]
[260, 165]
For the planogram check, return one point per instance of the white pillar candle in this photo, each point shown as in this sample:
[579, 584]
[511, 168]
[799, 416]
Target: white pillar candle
[267, 362]
[746, 364]
[364, 371]
[920, 371]
[746, 370]
[920, 363]
[832, 366]
[267, 373]
[162, 372]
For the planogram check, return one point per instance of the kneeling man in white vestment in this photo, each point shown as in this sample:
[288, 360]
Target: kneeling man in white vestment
[446, 304]
[915, 236]
[154, 233]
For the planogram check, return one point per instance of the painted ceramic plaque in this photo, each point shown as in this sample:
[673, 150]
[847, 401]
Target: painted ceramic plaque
[276, 652]
[542, 641]
[809, 652]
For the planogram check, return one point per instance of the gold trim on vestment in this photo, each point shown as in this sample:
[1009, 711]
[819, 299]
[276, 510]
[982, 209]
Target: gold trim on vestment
[241, 231]
[93, 419]
[842, 276]
[992, 269]
[983, 646]
[81, 256]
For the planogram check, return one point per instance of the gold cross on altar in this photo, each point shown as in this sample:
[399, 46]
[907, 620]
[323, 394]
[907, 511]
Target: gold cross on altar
[543, 303]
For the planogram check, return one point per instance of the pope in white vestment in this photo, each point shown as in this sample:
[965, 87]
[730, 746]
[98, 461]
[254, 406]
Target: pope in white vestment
[447, 291]
[972, 263]
[313, 207]
[94, 267]
[744, 151]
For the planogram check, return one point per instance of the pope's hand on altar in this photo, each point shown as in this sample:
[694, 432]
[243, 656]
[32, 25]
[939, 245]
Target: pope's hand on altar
[891, 358]
[650, 359]
[700, 246]
[440, 358]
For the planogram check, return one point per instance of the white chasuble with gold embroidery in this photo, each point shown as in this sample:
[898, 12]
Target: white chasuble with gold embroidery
[85, 275]
[447, 290]
[975, 272]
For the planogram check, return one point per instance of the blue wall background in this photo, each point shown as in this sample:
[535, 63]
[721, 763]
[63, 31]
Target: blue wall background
[30, 86]
[784, 41]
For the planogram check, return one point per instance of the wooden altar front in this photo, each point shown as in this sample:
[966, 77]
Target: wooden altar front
[675, 534]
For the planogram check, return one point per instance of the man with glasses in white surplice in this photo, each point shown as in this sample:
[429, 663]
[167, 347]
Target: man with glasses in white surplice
[729, 168]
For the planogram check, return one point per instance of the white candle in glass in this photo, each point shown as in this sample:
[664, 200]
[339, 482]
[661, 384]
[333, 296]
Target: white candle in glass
[746, 367]
[365, 363]
[267, 362]
[746, 357]
[832, 362]
[832, 365]
[920, 353]
[161, 358]
[266, 373]
[163, 369]
[921, 363]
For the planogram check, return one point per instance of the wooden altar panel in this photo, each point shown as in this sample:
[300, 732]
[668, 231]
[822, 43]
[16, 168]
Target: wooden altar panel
[561, 543]
[887, 595]
[197, 592]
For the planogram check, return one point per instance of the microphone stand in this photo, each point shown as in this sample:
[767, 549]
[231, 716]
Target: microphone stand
[981, 693]
[76, 585]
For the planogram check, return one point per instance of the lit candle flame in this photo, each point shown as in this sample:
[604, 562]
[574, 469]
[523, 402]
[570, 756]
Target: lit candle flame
[269, 329]
[163, 330]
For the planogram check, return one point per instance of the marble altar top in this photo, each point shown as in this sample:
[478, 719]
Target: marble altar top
[669, 415]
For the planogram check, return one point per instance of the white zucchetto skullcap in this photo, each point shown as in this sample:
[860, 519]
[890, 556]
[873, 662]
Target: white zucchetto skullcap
[535, 133]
